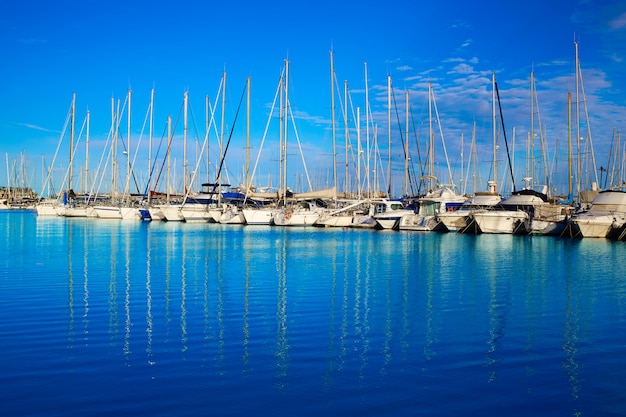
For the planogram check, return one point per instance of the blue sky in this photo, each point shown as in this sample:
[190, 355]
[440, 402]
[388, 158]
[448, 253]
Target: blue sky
[99, 50]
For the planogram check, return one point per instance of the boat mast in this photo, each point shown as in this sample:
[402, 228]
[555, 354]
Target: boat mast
[406, 143]
[367, 134]
[185, 109]
[169, 157]
[347, 135]
[284, 129]
[389, 135]
[150, 144]
[578, 138]
[219, 175]
[495, 136]
[532, 126]
[87, 152]
[359, 152]
[128, 173]
[431, 138]
[72, 140]
[332, 118]
[248, 135]
[570, 185]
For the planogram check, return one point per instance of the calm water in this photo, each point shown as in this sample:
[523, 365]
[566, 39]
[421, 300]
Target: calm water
[110, 318]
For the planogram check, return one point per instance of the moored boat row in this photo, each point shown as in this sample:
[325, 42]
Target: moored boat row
[524, 212]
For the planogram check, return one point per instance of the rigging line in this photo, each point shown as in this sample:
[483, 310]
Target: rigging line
[154, 165]
[508, 154]
[402, 138]
[232, 129]
[169, 145]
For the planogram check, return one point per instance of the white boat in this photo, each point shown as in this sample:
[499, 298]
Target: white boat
[387, 213]
[259, 216]
[232, 215]
[120, 213]
[343, 216]
[171, 212]
[156, 214]
[460, 220]
[47, 207]
[302, 214]
[549, 219]
[511, 215]
[441, 200]
[607, 212]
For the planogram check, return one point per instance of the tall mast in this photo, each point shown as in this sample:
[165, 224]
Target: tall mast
[532, 127]
[87, 152]
[281, 138]
[367, 134]
[347, 135]
[570, 185]
[359, 151]
[248, 136]
[185, 109]
[389, 134]
[150, 142]
[169, 157]
[286, 126]
[127, 187]
[72, 140]
[431, 137]
[332, 117]
[577, 75]
[493, 122]
[219, 179]
[406, 143]
[114, 132]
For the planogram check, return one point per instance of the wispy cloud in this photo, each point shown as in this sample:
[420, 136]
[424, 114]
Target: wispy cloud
[35, 127]
[404, 68]
[618, 23]
[460, 24]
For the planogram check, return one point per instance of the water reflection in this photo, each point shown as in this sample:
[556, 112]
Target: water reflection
[370, 308]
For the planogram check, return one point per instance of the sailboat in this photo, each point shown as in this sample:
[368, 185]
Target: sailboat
[508, 216]
[125, 207]
[440, 197]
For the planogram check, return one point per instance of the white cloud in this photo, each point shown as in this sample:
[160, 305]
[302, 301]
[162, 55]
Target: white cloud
[404, 68]
[619, 22]
[35, 127]
[462, 69]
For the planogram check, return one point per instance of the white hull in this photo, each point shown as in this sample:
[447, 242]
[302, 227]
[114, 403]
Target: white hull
[339, 220]
[596, 225]
[258, 216]
[232, 216]
[455, 220]
[75, 211]
[546, 227]
[108, 212]
[192, 213]
[172, 213]
[608, 211]
[46, 209]
[299, 218]
[156, 214]
[499, 221]
[364, 221]
[417, 223]
[120, 213]
[387, 222]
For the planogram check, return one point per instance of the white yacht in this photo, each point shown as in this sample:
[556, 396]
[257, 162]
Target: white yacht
[435, 202]
[607, 212]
